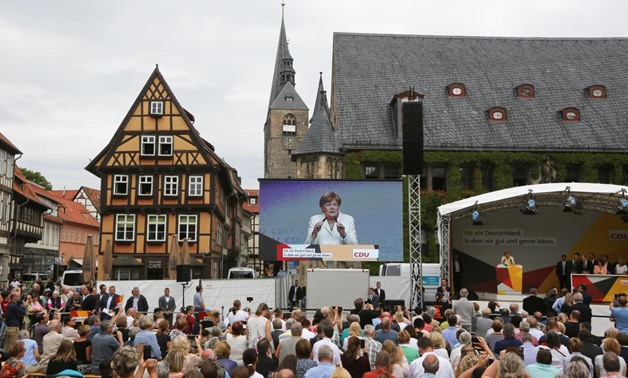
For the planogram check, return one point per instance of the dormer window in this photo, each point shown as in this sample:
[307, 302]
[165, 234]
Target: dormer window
[289, 99]
[570, 115]
[596, 91]
[497, 114]
[156, 108]
[525, 91]
[456, 90]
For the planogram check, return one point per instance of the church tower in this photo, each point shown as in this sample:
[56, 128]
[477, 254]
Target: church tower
[287, 119]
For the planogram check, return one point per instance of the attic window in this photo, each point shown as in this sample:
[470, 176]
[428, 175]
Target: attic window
[597, 91]
[525, 91]
[289, 99]
[156, 108]
[456, 90]
[570, 115]
[497, 114]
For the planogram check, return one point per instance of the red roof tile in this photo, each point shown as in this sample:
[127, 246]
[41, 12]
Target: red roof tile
[6, 143]
[247, 206]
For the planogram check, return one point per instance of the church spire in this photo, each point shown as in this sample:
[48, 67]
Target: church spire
[284, 71]
[321, 98]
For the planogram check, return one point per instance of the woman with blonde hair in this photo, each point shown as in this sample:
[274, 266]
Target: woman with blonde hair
[65, 358]
[223, 352]
[190, 360]
[354, 330]
[340, 372]
[175, 360]
[411, 353]
[398, 363]
[467, 362]
[439, 344]
[609, 345]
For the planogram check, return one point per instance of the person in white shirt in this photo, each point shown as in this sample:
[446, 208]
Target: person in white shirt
[237, 314]
[426, 348]
[465, 309]
[328, 332]
[621, 267]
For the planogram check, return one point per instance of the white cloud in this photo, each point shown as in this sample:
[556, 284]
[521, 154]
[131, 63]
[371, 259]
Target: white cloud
[71, 70]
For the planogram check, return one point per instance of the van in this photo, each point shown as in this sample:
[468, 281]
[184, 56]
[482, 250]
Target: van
[430, 275]
[72, 278]
[29, 278]
[238, 273]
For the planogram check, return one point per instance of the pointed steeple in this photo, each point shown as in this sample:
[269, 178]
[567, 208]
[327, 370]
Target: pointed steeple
[321, 136]
[284, 71]
[321, 99]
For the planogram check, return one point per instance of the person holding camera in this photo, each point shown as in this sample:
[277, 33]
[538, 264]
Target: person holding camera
[619, 312]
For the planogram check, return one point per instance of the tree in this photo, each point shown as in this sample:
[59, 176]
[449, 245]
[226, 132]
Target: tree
[37, 178]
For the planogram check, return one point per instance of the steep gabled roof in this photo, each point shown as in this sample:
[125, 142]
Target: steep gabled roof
[23, 188]
[283, 53]
[8, 146]
[320, 137]
[369, 69]
[107, 152]
[282, 101]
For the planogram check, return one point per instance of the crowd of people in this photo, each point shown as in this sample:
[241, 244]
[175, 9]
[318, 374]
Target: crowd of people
[546, 337]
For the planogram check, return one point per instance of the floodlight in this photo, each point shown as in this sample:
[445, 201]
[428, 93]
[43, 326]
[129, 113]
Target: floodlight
[571, 203]
[622, 206]
[477, 218]
[529, 204]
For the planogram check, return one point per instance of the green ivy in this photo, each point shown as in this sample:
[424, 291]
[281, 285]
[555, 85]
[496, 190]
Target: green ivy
[503, 163]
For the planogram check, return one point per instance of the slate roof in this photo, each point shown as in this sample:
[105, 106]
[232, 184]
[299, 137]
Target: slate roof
[321, 137]
[283, 52]
[289, 91]
[369, 69]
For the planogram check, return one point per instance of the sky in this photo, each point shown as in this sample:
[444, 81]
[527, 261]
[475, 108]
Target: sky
[70, 70]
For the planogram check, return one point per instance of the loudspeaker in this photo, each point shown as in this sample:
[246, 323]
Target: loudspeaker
[393, 302]
[183, 273]
[412, 128]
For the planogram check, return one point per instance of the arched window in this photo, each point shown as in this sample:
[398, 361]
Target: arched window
[596, 91]
[525, 91]
[456, 90]
[570, 115]
[289, 125]
[497, 114]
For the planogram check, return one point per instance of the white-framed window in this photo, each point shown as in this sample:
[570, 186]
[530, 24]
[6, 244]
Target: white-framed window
[148, 145]
[156, 228]
[171, 185]
[195, 186]
[188, 227]
[125, 227]
[120, 184]
[165, 145]
[253, 201]
[3, 161]
[146, 186]
[156, 108]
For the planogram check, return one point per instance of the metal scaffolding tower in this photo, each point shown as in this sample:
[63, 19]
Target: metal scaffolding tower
[415, 239]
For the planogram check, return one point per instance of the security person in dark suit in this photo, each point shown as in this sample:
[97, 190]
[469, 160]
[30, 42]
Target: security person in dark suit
[295, 295]
[564, 268]
[108, 303]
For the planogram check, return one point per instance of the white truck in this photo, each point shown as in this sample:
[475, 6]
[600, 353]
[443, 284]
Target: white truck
[336, 287]
[395, 279]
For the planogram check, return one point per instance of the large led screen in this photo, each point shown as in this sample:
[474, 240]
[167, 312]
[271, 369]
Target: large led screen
[331, 220]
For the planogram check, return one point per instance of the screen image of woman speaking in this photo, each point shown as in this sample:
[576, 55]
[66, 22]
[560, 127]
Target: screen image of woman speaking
[332, 226]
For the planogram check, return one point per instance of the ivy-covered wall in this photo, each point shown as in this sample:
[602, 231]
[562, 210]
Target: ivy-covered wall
[502, 162]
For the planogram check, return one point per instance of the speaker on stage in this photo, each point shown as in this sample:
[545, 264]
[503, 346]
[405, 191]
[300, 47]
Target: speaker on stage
[393, 302]
[183, 273]
[412, 128]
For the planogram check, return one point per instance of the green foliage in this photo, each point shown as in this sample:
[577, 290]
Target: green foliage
[36, 177]
[503, 163]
